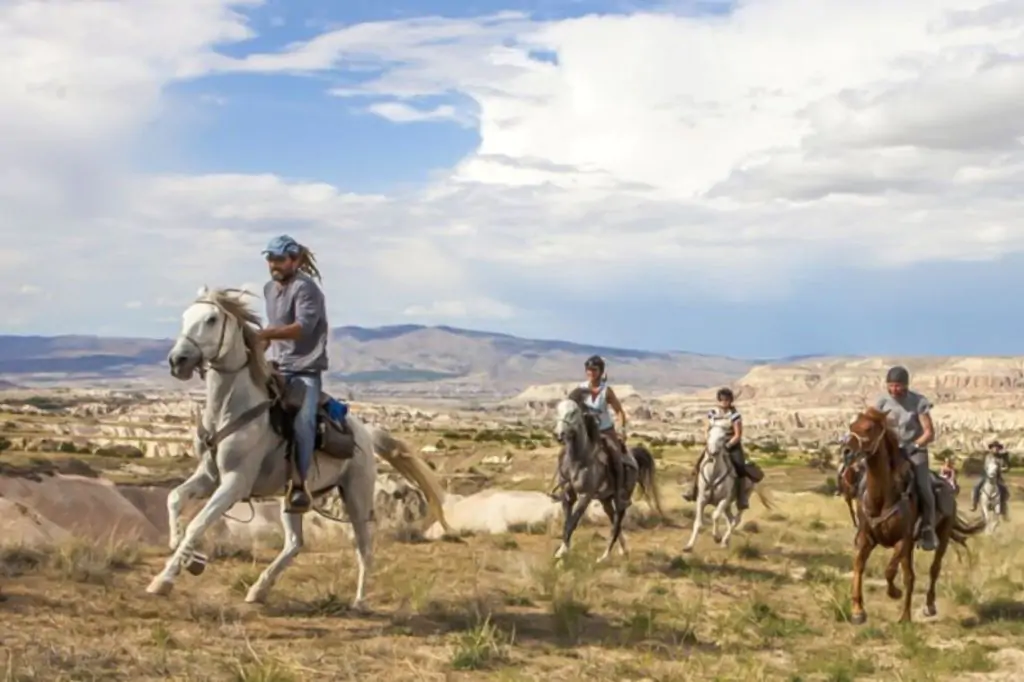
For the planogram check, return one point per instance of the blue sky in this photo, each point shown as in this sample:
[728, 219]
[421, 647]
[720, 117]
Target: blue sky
[751, 180]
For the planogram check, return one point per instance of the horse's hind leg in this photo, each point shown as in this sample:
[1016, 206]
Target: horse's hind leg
[292, 525]
[936, 568]
[612, 514]
[360, 512]
[890, 572]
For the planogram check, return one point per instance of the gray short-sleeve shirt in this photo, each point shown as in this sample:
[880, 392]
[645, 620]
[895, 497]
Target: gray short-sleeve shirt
[298, 300]
[905, 414]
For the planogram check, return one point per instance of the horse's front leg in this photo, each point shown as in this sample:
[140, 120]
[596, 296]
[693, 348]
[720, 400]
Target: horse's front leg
[573, 520]
[731, 521]
[292, 525]
[232, 489]
[698, 520]
[200, 484]
[907, 568]
[864, 547]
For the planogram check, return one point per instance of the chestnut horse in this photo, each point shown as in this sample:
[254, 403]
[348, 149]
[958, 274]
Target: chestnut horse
[888, 514]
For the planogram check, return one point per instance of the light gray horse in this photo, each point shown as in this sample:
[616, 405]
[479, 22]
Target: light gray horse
[584, 476]
[989, 494]
[716, 485]
[243, 455]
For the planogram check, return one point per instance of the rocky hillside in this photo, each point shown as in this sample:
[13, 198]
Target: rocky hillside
[397, 360]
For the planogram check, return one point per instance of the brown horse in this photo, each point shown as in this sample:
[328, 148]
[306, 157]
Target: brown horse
[888, 514]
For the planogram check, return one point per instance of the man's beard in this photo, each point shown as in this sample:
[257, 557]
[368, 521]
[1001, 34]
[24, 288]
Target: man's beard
[280, 275]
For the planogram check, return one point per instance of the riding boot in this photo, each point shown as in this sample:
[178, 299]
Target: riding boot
[923, 477]
[620, 480]
[1004, 499]
[736, 454]
[976, 495]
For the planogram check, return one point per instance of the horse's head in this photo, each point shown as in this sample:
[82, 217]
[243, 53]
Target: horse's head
[570, 417]
[868, 434]
[717, 437]
[211, 329]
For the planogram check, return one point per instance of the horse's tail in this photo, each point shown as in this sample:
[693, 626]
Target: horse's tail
[963, 529]
[647, 480]
[398, 454]
[766, 500]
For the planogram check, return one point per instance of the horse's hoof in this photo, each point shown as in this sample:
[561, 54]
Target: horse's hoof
[195, 567]
[160, 587]
[360, 606]
[256, 595]
[688, 549]
[929, 611]
[601, 559]
[858, 618]
[894, 592]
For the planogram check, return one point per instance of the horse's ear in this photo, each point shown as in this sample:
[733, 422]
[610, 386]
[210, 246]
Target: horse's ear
[203, 290]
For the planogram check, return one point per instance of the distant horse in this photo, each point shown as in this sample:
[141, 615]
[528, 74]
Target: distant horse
[716, 485]
[888, 514]
[990, 496]
[585, 475]
[240, 437]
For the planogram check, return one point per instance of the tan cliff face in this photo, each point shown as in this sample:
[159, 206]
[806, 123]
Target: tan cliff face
[803, 405]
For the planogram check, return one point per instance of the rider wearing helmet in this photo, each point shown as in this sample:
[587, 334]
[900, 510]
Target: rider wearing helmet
[911, 413]
[602, 401]
[999, 452]
[728, 416]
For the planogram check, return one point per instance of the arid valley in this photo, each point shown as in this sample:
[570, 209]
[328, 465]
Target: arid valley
[93, 439]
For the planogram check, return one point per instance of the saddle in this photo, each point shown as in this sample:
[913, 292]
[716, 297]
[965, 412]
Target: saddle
[333, 437]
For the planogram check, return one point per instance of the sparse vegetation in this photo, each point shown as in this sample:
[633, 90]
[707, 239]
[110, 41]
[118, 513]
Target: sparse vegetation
[775, 606]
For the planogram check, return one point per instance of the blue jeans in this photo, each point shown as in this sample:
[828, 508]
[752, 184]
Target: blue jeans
[305, 420]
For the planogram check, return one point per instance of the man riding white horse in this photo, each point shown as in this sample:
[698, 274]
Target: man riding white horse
[910, 413]
[297, 333]
[999, 452]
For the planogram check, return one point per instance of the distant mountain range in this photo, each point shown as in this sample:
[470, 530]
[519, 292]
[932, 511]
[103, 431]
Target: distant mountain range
[391, 355]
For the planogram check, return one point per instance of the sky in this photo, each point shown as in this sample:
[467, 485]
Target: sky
[756, 178]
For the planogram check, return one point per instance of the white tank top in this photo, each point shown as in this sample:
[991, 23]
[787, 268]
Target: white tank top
[599, 405]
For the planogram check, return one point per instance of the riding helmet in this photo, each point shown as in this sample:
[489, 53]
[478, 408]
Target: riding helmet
[897, 375]
[595, 362]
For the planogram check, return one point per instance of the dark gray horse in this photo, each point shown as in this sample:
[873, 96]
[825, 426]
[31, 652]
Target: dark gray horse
[584, 474]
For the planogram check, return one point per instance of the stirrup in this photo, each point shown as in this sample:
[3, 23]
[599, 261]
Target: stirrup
[292, 509]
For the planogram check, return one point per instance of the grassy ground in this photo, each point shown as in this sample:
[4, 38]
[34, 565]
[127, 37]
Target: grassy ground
[774, 606]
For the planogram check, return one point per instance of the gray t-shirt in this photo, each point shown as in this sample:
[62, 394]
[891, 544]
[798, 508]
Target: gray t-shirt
[298, 300]
[905, 414]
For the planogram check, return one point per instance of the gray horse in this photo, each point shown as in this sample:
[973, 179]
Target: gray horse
[242, 443]
[584, 475]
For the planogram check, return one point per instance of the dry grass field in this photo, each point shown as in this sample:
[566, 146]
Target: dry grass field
[774, 606]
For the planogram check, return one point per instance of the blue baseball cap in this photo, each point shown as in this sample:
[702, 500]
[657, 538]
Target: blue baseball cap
[282, 246]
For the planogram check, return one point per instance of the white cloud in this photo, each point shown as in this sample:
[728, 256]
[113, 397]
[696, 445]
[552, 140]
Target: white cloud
[660, 152]
[477, 308]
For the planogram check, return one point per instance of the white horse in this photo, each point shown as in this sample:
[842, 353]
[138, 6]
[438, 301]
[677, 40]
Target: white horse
[990, 499]
[716, 485]
[242, 454]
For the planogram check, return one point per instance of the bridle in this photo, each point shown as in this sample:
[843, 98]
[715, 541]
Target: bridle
[865, 446]
[220, 343]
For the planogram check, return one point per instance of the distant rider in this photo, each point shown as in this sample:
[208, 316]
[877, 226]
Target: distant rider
[911, 413]
[297, 333]
[726, 415]
[1003, 457]
[948, 473]
[600, 399]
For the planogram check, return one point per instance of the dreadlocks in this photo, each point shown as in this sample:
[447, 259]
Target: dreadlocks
[307, 263]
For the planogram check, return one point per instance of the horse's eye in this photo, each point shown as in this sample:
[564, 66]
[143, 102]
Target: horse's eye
[211, 320]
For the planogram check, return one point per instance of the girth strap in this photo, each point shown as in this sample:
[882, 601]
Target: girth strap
[212, 440]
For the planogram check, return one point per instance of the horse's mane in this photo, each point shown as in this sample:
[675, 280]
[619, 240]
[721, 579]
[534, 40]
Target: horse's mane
[590, 422]
[230, 301]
